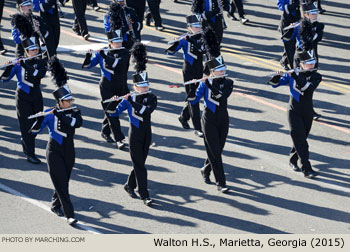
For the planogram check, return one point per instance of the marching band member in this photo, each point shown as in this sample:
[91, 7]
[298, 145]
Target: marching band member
[302, 84]
[291, 14]
[193, 50]
[310, 29]
[139, 108]
[215, 119]
[26, 25]
[29, 99]
[114, 64]
[60, 152]
[119, 16]
[49, 13]
[212, 14]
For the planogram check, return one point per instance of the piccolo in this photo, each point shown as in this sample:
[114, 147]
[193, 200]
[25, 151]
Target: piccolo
[291, 71]
[189, 34]
[107, 49]
[203, 79]
[116, 98]
[292, 25]
[15, 60]
[46, 113]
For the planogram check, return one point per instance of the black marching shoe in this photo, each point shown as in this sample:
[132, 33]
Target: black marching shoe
[130, 191]
[232, 16]
[3, 51]
[147, 201]
[57, 211]
[223, 189]
[120, 144]
[310, 174]
[295, 167]
[71, 221]
[316, 116]
[322, 11]
[33, 160]
[76, 31]
[184, 123]
[198, 133]
[107, 138]
[148, 19]
[205, 177]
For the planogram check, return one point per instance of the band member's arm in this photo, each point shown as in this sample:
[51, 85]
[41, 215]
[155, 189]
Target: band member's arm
[301, 83]
[206, 15]
[111, 62]
[288, 5]
[91, 62]
[174, 48]
[36, 72]
[198, 94]
[43, 6]
[226, 5]
[107, 23]
[144, 109]
[279, 80]
[228, 87]
[123, 105]
[43, 27]
[319, 33]
[75, 121]
[39, 124]
[8, 74]
[16, 35]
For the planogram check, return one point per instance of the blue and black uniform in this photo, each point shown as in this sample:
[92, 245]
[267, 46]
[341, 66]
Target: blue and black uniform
[129, 36]
[192, 68]
[139, 109]
[49, 13]
[291, 14]
[300, 113]
[29, 99]
[215, 123]
[114, 69]
[213, 17]
[60, 153]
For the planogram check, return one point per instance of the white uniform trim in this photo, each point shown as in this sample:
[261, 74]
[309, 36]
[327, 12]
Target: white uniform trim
[142, 109]
[23, 74]
[307, 85]
[56, 129]
[73, 121]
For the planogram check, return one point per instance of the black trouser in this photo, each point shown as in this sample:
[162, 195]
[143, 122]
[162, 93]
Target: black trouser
[155, 12]
[217, 27]
[189, 110]
[239, 5]
[1, 10]
[139, 7]
[92, 2]
[215, 128]
[300, 127]
[54, 29]
[110, 124]
[79, 7]
[139, 142]
[26, 105]
[289, 51]
[60, 165]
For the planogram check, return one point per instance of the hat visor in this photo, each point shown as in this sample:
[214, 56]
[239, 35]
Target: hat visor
[309, 62]
[26, 3]
[314, 11]
[116, 40]
[220, 68]
[67, 97]
[32, 47]
[198, 25]
[142, 84]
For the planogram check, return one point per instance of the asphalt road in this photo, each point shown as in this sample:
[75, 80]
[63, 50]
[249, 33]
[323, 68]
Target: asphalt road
[266, 196]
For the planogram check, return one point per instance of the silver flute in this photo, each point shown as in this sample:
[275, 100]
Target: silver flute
[118, 98]
[187, 34]
[24, 59]
[296, 70]
[46, 113]
[203, 79]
